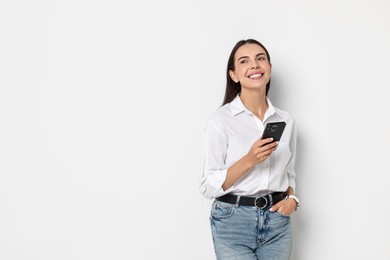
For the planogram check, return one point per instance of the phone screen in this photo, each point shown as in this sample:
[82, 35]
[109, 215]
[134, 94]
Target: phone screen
[274, 130]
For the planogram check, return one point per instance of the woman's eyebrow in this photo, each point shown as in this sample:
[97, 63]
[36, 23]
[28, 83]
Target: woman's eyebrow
[244, 57]
[260, 54]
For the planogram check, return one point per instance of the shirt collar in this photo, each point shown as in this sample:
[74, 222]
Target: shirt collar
[238, 107]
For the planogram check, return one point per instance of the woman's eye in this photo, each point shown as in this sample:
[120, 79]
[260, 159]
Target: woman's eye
[261, 58]
[243, 61]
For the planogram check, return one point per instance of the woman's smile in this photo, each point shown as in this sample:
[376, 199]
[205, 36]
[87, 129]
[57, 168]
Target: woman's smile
[256, 75]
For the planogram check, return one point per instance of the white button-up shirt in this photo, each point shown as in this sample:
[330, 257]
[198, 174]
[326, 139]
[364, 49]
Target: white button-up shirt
[229, 135]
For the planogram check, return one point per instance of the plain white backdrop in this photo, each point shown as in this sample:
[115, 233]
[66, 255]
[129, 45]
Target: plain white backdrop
[103, 106]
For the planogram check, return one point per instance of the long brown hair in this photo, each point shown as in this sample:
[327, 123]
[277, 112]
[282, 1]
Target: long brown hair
[233, 88]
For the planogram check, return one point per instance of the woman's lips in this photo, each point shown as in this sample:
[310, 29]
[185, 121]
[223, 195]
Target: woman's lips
[256, 76]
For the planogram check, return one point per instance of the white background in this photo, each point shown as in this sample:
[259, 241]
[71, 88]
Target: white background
[103, 106]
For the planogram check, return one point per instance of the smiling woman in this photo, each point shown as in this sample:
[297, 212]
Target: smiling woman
[251, 180]
[233, 86]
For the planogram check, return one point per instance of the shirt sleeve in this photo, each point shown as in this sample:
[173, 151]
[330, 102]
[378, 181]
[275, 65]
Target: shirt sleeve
[214, 170]
[290, 168]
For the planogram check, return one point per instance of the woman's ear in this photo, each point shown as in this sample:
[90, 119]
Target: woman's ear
[233, 76]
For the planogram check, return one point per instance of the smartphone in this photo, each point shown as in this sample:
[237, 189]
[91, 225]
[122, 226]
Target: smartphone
[274, 130]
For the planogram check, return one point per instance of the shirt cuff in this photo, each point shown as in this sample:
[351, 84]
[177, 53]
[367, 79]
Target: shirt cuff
[212, 185]
[291, 182]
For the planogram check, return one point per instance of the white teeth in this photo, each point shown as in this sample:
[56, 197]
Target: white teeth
[255, 76]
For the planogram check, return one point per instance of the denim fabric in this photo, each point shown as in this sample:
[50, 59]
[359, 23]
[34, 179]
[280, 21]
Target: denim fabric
[246, 232]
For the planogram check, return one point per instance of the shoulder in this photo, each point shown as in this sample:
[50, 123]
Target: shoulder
[220, 118]
[221, 114]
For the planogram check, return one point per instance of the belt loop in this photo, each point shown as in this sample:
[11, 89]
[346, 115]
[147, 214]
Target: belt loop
[271, 199]
[238, 200]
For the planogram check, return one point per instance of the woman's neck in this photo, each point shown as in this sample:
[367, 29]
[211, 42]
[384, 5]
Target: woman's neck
[255, 101]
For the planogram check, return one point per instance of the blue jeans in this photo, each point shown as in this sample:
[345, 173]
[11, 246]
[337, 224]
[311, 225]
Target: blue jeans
[246, 232]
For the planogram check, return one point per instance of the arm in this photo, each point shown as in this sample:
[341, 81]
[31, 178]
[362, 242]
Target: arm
[258, 153]
[215, 145]
[217, 179]
[288, 206]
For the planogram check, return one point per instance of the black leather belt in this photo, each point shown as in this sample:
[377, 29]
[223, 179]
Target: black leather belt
[259, 202]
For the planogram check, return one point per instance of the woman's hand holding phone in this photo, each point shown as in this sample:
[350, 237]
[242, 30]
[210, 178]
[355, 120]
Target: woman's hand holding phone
[261, 150]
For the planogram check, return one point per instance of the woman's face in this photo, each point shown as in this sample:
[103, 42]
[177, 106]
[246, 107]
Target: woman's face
[252, 68]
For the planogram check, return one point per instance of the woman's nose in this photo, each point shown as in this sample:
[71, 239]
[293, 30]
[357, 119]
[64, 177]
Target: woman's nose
[255, 65]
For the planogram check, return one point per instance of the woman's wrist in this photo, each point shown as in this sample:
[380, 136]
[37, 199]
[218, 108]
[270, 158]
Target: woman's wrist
[247, 163]
[294, 198]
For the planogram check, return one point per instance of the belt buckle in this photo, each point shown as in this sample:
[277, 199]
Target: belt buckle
[265, 204]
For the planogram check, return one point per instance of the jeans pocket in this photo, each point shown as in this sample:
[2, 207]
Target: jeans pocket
[282, 215]
[222, 210]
